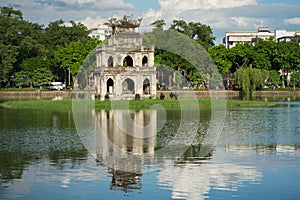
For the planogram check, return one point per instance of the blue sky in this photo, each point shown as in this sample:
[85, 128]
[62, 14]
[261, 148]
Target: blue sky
[280, 1]
[221, 15]
[144, 5]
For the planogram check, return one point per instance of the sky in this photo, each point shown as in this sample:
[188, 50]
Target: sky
[220, 15]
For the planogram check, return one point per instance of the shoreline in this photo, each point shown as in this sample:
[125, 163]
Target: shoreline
[228, 94]
[143, 104]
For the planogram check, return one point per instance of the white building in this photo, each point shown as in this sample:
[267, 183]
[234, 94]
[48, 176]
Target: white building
[287, 36]
[234, 37]
[102, 32]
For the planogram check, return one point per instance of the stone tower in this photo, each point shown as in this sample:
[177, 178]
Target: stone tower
[125, 68]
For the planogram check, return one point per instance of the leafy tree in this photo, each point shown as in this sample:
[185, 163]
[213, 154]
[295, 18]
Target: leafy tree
[88, 67]
[187, 55]
[73, 55]
[8, 56]
[259, 58]
[202, 33]
[286, 59]
[165, 75]
[182, 27]
[196, 31]
[196, 78]
[186, 70]
[18, 41]
[286, 55]
[58, 36]
[274, 78]
[9, 49]
[179, 80]
[33, 67]
[31, 46]
[239, 55]
[250, 79]
[158, 24]
[11, 13]
[20, 79]
[295, 79]
[264, 54]
[42, 76]
[219, 54]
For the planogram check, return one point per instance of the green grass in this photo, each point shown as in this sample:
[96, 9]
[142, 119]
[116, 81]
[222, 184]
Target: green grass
[249, 103]
[19, 89]
[281, 89]
[168, 104]
[46, 104]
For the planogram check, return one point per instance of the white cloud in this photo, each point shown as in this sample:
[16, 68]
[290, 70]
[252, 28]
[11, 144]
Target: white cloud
[247, 22]
[203, 5]
[216, 13]
[149, 17]
[85, 4]
[295, 20]
[221, 15]
[79, 1]
[228, 15]
[92, 22]
[46, 11]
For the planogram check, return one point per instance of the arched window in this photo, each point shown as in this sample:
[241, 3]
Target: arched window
[128, 61]
[110, 86]
[146, 86]
[128, 86]
[110, 62]
[145, 61]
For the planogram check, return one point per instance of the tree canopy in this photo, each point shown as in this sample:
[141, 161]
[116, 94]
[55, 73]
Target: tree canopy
[28, 49]
[32, 54]
[195, 30]
[279, 59]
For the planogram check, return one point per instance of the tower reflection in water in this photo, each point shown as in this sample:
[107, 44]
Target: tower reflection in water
[125, 143]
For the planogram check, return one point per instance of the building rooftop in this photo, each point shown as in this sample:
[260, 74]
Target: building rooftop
[121, 25]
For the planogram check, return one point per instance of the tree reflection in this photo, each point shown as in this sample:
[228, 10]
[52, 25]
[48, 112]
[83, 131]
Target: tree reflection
[29, 136]
[12, 165]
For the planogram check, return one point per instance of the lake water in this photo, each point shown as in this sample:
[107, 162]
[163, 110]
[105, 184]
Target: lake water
[44, 156]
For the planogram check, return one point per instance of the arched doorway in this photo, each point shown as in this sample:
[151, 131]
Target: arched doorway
[110, 62]
[128, 86]
[128, 61]
[110, 86]
[146, 86]
[145, 61]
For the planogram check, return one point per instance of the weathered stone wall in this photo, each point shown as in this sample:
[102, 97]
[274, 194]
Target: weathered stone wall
[230, 94]
[264, 95]
[276, 93]
[35, 95]
[203, 94]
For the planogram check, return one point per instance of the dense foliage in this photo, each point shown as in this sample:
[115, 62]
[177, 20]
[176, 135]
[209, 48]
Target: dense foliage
[279, 62]
[33, 55]
[181, 53]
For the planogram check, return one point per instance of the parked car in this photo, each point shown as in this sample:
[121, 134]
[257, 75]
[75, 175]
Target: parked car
[55, 86]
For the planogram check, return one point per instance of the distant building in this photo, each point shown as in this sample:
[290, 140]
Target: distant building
[234, 37]
[102, 32]
[287, 36]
